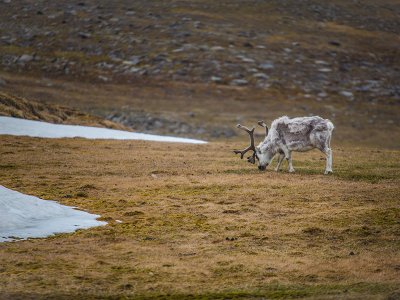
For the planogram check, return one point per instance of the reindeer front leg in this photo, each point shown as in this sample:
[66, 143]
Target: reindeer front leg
[281, 156]
[328, 168]
[288, 156]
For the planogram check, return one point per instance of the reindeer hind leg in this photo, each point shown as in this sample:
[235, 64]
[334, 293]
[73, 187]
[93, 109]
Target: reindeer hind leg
[289, 159]
[328, 153]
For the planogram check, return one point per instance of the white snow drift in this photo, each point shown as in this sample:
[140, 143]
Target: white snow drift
[22, 127]
[23, 216]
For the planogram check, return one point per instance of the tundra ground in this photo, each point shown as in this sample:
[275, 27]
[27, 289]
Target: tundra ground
[197, 222]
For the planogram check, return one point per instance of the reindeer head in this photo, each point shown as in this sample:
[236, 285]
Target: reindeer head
[262, 153]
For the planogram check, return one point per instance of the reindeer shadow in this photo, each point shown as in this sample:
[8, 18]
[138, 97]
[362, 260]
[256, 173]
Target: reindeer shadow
[242, 171]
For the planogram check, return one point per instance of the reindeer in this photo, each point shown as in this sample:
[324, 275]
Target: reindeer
[287, 135]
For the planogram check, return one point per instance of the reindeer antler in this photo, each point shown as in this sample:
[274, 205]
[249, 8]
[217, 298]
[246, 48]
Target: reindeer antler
[251, 159]
[262, 124]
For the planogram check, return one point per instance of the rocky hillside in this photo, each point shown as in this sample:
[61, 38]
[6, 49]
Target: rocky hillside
[196, 68]
[316, 49]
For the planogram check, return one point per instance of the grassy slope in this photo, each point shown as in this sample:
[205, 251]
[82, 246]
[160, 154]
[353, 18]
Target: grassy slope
[197, 221]
[18, 107]
[215, 106]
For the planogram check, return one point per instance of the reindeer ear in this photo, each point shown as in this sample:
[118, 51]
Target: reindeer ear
[263, 124]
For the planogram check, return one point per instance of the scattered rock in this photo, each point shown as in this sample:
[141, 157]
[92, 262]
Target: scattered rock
[370, 86]
[134, 60]
[133, 70]
[266, 65]
[144, 122]
[197, 24]
[344, 67]
[178, 50]
[216, 79]
[184, 34]
[261, 75]
[25, 58]
[246, 59]
[217, 48]
[103, 78]
[325, 70]
[347, 94]
[84, 35]
[335, 43]
[239, 82]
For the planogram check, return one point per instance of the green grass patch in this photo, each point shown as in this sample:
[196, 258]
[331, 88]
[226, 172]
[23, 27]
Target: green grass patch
[8, 166]
[383, 217]
[16, 50]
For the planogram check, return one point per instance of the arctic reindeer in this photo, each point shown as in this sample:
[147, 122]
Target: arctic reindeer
[287, 135]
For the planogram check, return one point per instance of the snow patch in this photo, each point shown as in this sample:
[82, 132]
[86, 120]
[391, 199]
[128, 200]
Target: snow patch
[22, 127]
[23, 216]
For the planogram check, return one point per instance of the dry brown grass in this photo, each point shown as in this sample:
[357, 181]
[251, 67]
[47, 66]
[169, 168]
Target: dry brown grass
[198, 221]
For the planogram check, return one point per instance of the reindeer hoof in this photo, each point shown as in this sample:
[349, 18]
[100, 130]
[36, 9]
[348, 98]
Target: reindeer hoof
[292, 171]
[327, 172]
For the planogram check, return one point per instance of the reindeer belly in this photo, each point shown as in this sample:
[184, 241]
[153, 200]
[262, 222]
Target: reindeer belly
[298, 142]
[300, 146]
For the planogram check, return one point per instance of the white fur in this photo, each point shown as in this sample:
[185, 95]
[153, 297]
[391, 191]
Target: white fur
[297, 134]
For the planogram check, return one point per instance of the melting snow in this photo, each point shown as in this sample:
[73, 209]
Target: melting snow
[15, 126]
[23, 216]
